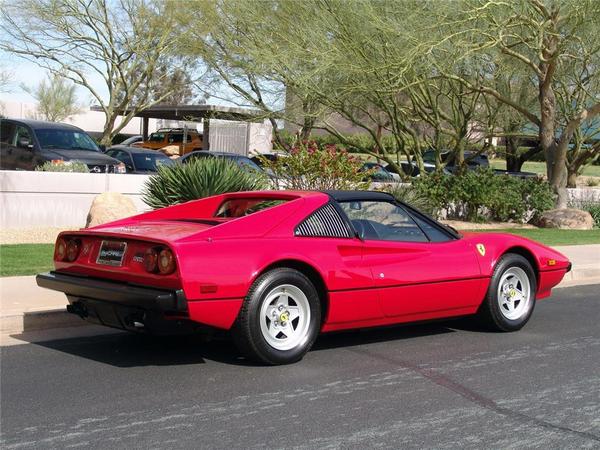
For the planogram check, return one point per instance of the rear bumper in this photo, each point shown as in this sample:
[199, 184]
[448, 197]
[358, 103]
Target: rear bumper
[120, 305]
[114, 292]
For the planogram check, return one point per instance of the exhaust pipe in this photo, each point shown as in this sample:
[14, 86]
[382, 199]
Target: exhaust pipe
[78, 309]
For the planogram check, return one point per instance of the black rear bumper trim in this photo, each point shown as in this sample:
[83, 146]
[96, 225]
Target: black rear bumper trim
[114, 292]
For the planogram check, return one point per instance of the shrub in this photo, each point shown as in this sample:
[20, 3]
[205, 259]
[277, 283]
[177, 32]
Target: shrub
[310, 166]
[482, 195]
[594, 210]
[63, 166]
[199, 178]
[415, 198]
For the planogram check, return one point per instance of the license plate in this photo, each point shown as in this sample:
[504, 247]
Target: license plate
[111, 253]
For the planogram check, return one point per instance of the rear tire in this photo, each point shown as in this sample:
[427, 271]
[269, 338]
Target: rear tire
[510, 298]
[280, 318]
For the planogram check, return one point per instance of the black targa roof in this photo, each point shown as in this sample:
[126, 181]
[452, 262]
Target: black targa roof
[349, 196]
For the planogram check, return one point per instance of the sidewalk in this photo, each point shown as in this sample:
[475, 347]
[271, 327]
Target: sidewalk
[26, 307]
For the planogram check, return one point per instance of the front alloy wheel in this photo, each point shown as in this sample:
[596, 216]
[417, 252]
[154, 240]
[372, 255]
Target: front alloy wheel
[510, 298]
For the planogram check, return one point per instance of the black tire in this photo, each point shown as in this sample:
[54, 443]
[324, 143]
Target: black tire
[492, 312]
[247, 333]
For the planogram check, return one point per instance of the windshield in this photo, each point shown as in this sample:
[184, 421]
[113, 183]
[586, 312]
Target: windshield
[156, 137]
[146, 162]
[65, 140]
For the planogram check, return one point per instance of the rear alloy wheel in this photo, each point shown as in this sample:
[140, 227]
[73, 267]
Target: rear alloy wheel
[510, 298]
[280, 318]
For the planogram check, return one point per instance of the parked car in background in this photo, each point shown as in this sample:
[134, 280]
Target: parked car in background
[132, 140]
[260, 158]
[27, 144]
[379, 173]
[173, 136]
[139, 160]
[243, 162]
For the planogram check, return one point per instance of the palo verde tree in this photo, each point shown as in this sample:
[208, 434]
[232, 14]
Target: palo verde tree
[112, 49]
[56, 98]
[539, 38]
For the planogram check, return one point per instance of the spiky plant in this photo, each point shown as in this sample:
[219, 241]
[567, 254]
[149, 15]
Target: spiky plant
[201, 177]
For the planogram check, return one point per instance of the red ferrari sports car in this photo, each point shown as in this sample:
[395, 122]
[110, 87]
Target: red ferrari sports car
[279, 267]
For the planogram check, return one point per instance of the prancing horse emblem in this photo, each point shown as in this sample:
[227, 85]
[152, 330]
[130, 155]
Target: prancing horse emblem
[481, 249]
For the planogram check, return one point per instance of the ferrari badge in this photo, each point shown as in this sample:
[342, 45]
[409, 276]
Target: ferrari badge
[481, 249]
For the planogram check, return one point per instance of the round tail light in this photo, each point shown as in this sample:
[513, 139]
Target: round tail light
[60, 253]
[72, 250]
[166, 261]
[151, 260]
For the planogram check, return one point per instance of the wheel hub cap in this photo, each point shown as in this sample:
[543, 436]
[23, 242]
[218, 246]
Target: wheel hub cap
[514, 293]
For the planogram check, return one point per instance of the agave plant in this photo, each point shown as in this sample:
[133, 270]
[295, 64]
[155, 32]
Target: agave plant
[201, 177]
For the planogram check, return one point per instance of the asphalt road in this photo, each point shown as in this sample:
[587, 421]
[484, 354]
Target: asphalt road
[442, 385]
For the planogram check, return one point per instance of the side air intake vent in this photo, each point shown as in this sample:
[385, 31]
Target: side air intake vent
[325, 222]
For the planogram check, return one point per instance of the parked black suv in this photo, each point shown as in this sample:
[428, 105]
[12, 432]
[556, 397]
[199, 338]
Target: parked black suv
[26, 144]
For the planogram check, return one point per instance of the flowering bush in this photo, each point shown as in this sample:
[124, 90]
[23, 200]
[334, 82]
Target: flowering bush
[310, 166]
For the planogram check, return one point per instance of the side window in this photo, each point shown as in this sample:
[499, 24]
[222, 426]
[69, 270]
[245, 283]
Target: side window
[22, 137]
[124, 157]
[324, 222]
[175, 138]
[7, 130]
[383, 221]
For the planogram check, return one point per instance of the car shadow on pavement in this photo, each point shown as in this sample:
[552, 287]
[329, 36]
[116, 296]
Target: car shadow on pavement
[136, 350]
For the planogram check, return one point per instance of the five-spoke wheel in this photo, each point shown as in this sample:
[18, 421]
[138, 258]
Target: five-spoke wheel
[510, 298]
[280, 318]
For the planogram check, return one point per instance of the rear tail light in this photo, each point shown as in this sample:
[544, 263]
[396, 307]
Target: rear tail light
[151, 260]
[67, 249]
[73, 247]
[60, 252]
[159, 259]
[166, 261]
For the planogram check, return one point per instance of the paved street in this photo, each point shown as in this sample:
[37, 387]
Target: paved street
[443, 385]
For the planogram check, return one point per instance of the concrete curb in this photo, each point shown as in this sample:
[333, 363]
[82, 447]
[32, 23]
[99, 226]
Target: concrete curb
[57, 317]
[39, 320]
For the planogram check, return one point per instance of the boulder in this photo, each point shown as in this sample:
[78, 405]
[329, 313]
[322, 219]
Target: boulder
[566, 219]
[109, 206]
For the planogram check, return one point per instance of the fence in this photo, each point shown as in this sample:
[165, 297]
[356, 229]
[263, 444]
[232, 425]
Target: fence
[54, 199]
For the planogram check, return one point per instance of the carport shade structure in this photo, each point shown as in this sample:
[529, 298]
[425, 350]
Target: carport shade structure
[193, 113]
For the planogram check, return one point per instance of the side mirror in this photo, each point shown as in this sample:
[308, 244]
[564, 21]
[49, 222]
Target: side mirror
[102, 147]
[24, 142]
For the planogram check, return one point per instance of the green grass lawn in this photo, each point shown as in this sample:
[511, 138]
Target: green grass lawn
[552, 237]
[25, 259]
[540, 167]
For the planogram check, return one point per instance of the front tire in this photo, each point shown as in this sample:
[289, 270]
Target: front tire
[510, 298]
[280, 318]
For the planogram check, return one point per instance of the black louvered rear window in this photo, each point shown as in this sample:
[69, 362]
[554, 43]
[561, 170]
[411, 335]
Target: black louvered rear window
[324, 222]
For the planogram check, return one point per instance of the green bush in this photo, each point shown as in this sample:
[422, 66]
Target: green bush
[594, 210]
[63, 166]
[310, 166]
[415, 198]
[481, 195]
[199, 178]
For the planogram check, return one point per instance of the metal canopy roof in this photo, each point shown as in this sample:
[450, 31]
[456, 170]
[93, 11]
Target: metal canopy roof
[194, 113]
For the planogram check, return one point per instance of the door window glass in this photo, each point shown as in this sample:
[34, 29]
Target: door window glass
[382, 221]
[7, 130]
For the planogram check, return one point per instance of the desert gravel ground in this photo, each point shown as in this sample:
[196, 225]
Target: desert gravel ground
[46, 235]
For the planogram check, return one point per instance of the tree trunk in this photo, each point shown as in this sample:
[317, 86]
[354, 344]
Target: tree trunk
[572, 177]
[513, 162]
[107, 133]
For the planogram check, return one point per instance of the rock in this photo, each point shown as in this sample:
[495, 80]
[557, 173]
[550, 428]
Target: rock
[566, 219]
[172, 151]
[109, 206]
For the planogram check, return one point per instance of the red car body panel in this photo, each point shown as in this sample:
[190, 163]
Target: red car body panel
[364, 282]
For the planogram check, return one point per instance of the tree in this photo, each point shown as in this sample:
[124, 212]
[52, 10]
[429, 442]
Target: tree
[5, 80]
[56, 97]
[112, 49]
[541, 38]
